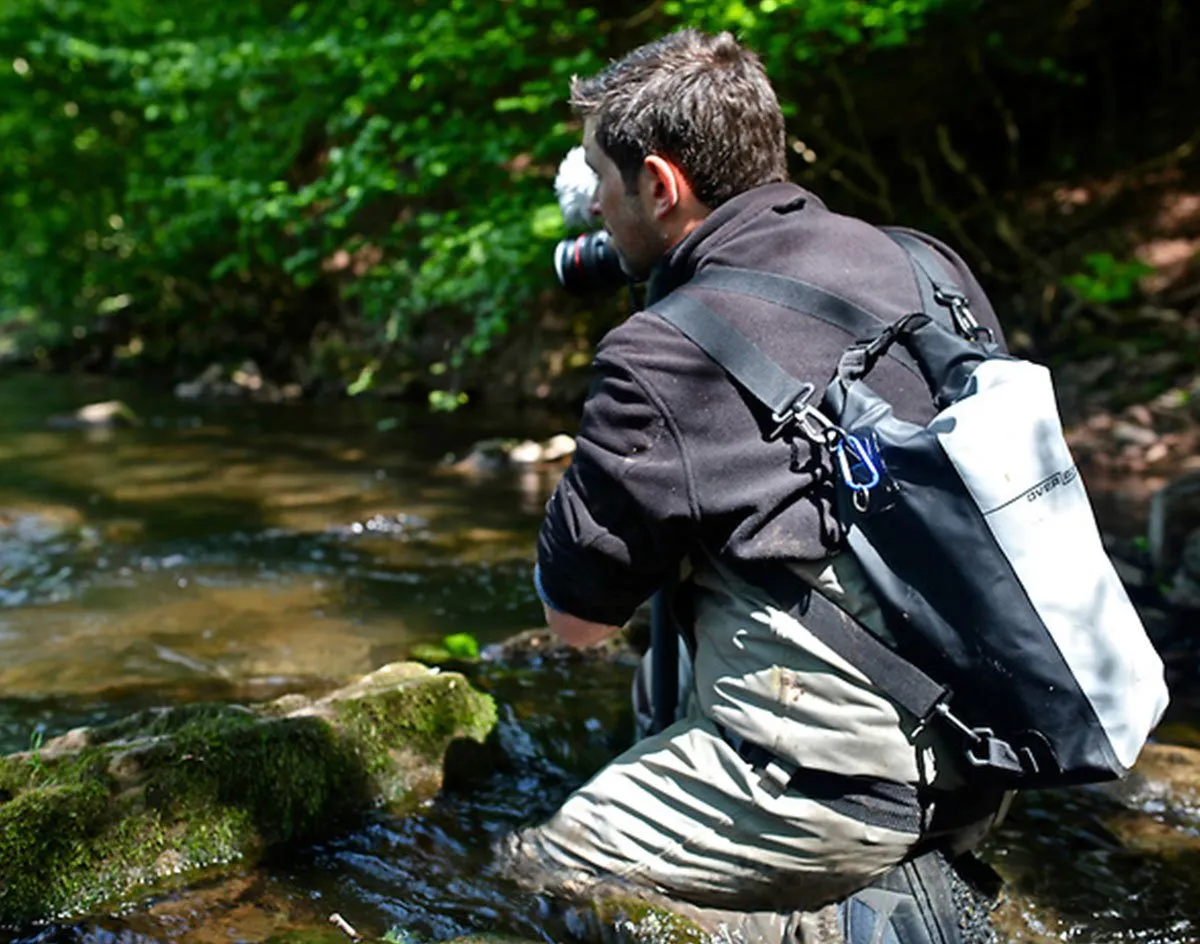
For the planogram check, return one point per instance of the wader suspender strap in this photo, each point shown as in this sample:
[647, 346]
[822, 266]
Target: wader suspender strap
[769, 383]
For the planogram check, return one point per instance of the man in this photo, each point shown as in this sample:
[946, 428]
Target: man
[790, 782]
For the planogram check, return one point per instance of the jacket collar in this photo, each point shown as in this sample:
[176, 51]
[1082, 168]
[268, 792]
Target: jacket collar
[682, 260]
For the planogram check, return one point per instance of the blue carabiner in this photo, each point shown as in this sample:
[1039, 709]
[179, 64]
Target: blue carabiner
[859, 471]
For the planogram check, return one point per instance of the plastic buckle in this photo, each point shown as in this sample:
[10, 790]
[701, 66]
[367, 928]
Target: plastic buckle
[985, 749]
[854, 363]
[995, 754]
[881, 343]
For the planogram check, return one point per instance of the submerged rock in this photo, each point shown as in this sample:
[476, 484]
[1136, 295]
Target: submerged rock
[104, 415]
[492, 455]
[533, 646]
[108, 813]
[1161, 802]
[244, 382]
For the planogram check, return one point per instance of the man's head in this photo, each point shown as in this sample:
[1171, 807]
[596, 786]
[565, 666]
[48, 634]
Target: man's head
[674, 129]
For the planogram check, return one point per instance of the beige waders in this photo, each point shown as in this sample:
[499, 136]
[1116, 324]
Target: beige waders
[745, 846]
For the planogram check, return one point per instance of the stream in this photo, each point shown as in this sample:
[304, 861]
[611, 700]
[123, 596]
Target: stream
[238, 551]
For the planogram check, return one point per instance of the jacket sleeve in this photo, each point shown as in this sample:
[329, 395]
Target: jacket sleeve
[619, 519]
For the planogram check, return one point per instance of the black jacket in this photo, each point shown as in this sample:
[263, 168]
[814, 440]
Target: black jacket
[672, 454]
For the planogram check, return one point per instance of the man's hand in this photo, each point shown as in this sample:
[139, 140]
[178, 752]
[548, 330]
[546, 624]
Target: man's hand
[575, 631]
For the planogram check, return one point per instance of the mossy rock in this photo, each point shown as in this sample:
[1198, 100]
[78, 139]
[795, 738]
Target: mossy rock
[487, 938]
[639, 920]
[105, 814]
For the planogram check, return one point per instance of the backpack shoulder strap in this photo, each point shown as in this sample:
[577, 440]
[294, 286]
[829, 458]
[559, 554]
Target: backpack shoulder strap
[788, 292]
[939, 288]
[761, 376]
[924, 264]
[799, 296]
[741, 358]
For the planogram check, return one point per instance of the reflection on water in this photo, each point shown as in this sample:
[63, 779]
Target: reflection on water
[226, 547]
[235, 552]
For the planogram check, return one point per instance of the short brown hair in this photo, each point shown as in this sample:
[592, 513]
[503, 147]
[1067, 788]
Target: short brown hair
[702, 101]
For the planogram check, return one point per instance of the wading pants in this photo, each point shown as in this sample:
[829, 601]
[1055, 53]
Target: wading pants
[682, 818]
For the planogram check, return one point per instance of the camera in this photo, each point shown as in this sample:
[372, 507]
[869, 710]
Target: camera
[588, 264]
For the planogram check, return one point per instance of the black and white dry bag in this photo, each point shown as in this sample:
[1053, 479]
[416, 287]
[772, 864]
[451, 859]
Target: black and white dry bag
[1010, 623]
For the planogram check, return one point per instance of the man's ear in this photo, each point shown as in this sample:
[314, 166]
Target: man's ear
[669, 187]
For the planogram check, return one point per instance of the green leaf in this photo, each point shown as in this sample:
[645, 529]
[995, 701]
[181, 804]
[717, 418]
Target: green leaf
[364, 381]
[461, 646]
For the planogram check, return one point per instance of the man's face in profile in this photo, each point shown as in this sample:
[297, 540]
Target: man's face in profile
[628, 216]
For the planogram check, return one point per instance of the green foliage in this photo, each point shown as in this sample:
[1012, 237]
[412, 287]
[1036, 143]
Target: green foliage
[182, 178]
[806, 30]
[1107, 279]
[462, 646]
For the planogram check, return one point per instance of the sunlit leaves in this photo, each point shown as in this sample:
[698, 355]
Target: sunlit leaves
[807, 29]
[397, 152]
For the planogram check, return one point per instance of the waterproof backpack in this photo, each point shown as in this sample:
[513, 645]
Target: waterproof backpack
[1011, 626]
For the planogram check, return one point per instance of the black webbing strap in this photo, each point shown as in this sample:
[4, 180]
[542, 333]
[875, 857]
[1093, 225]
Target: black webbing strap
[732, 350]
[803, 297]
[664, 640]
[746, 363]
[907, 685]
[925, 267]
[942, 297]
[870, 800]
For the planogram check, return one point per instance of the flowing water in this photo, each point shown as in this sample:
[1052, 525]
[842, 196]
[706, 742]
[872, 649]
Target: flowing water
[237, 551]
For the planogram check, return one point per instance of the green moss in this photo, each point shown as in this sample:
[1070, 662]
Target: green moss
[43, 846]
[160, 722]
[30, 770]
[423, 718]
[647, 922]
[293, 779]
[170, 793]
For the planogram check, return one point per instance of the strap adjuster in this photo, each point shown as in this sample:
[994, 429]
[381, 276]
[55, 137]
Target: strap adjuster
[983, 749]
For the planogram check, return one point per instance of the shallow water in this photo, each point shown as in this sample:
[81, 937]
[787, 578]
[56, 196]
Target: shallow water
[240, 551]
[239, 548]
